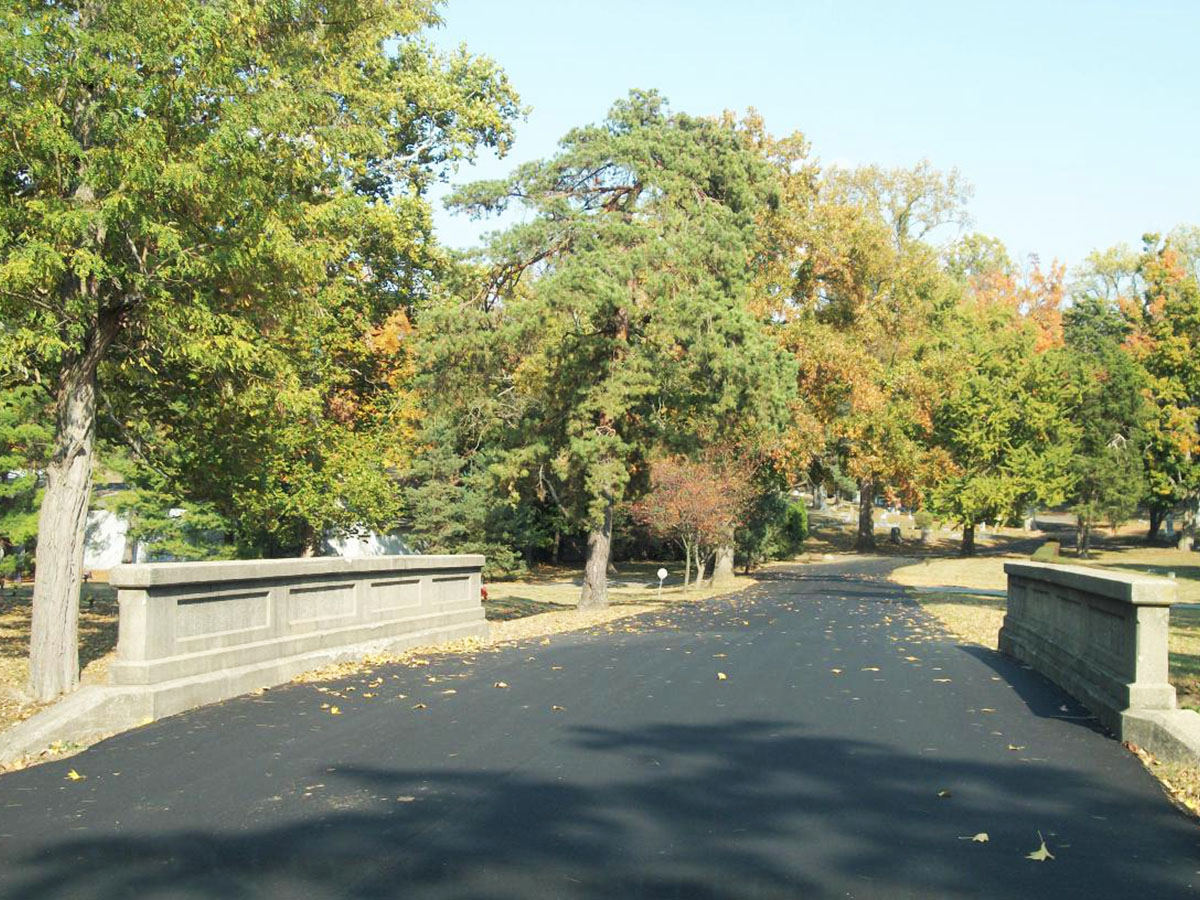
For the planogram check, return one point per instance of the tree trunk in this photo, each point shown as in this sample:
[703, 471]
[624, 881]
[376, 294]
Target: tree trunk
[1156, 520]
[557, 548]
[701, 561]
[864, 542]
[1083, 534]
[54, 631]
[819, 497]
[595, 571]
[723, 568]
[687, 566]
[968, 540]
[311, 541]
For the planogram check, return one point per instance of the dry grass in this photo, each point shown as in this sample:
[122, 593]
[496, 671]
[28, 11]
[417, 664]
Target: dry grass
[97, 644]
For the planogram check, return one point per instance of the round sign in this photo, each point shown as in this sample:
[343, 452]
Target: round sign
[662, 574]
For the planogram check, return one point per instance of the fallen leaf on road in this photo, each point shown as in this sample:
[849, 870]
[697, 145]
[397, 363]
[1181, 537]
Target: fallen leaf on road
[75, 776]
[420, 706]
[836, 671]
[1041, 854]
[1015, 747]
[870, 668]
[944, 794]
[981, 838]
[405, 798]
[449, 691]
[941, 681]
[500, 684]
[334, 711]
[721, 676]
[557, 708]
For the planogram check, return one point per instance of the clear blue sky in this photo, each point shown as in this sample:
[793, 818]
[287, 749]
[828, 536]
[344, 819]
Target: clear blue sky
[1078, 123]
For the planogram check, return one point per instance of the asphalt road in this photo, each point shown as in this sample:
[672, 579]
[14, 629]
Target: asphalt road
[849, 751]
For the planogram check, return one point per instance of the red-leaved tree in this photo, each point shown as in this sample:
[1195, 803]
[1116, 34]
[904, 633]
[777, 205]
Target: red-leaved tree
[697, 504]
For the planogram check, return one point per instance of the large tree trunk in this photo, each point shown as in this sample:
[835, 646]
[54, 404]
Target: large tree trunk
[701, 561]
[864, 542]
[968, 540]
[54, 642]
[595, 571]
[819, 497]
[723, 567]
[1083, 538]
[687, 566]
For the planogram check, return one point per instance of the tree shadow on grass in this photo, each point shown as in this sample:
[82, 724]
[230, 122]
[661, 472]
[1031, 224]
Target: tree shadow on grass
[742, 808]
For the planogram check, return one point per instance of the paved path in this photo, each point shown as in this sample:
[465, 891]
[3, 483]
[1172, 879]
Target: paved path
[812, 770]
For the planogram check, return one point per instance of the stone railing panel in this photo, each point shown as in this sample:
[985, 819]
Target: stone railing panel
[1101, 635]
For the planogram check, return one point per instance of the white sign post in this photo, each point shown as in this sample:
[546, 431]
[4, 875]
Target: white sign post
[662, 576]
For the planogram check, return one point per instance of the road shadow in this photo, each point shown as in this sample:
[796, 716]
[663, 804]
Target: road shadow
[744, 808]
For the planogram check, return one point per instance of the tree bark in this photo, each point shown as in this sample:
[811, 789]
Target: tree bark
[819, 497]
[723, 567]
[595, 571]
[557, 547]
[864, 542]
[62, 520]
[701, 561]
[968, 540]
[687, 566]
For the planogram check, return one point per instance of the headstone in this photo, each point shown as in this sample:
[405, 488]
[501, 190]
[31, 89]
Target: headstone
[895, 535]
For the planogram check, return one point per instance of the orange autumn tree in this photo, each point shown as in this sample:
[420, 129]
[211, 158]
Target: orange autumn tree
[853, 289]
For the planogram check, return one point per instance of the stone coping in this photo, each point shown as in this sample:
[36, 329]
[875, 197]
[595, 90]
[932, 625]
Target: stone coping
[147, 575]
[1134, 588]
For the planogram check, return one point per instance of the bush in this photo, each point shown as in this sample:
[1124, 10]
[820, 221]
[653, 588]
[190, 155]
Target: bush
[1048, 552]
[923, 519]
[796, 525]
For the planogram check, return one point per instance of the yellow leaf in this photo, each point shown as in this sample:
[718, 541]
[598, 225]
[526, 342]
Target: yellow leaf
[334, 711]
[75, 776]
[449, 691]
[836, 671]
[981, 838]
[721, 676]
[420, 706]
[1042, 853]
[557, 708]
[870, 668]
[1015, 747]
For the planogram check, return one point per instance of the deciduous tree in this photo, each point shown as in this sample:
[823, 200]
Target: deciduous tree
[182, 182]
